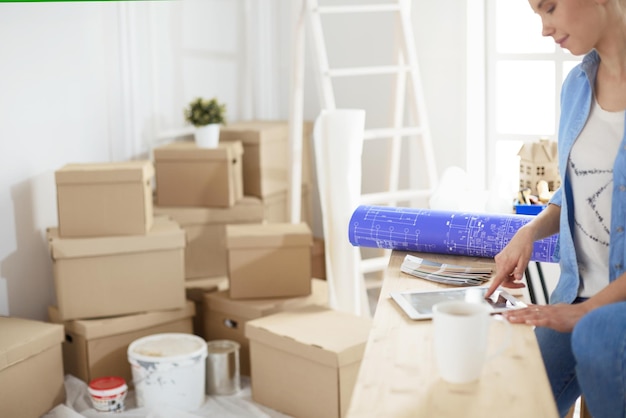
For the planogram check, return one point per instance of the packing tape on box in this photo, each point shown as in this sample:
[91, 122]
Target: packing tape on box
[442, 232]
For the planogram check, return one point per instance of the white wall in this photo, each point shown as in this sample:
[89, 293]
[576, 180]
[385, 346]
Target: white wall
[55, 106]
[106, 81]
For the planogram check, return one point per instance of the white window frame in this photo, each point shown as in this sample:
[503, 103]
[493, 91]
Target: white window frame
[492, 57]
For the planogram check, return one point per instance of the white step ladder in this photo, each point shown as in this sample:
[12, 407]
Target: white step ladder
[414, 129]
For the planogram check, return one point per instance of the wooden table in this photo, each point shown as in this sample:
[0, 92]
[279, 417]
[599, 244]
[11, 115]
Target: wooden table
[398, 377]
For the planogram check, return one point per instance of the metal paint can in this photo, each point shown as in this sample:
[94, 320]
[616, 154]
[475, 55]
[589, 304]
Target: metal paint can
[222, 375]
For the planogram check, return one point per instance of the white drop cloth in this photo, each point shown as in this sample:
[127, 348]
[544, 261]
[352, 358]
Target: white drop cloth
[78, 405]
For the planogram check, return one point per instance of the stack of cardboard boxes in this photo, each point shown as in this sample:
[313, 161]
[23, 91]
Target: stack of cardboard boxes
[118, 269]
[243, 259]
[202, 190]
[209, 250]
[243, 184]
[267, 262]
[302, 356]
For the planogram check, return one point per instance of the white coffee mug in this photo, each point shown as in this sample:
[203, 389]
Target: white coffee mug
[461, 336]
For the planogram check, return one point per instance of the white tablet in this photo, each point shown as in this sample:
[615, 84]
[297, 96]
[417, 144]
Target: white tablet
[419, 304]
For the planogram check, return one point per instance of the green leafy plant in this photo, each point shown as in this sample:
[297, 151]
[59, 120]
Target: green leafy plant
[201, 112]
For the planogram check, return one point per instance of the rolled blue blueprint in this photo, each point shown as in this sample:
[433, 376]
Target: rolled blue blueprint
[442, 232]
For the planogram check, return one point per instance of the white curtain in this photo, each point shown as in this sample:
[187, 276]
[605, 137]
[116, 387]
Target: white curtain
[338, 143]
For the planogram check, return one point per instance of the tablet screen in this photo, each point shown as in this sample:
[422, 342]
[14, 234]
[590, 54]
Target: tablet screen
[419, 304]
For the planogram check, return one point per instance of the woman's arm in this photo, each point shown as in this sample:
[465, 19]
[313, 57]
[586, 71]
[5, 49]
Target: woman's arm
[511, 262]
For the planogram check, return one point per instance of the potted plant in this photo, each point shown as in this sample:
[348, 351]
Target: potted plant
[206, 116]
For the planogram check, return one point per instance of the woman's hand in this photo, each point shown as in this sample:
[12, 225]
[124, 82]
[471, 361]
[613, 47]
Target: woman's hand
[511, 262]
[561, 317]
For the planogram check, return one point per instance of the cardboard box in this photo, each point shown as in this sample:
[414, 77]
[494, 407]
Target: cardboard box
[97, 347]
[277, 210]
[318, 259]
[269, 260]
[305, 362]
[104, 199]
[110, 276]
[190, 176]
[266, 157]
[205, 232]
[31, 367]
[196, 290]
[225, 318]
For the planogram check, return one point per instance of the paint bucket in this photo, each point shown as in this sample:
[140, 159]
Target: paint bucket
[108, 393]
[169, 370]
[222, 374]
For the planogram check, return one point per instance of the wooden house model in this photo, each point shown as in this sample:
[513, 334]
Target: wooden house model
[539, 161]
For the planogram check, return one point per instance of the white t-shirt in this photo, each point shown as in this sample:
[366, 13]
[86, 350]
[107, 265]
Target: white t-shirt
[590, 168]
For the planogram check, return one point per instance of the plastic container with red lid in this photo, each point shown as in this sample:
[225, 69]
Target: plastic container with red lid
[108, 393]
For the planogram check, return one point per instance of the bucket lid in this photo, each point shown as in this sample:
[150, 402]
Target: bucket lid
[107, 386]
[167, 347]
[222, 346]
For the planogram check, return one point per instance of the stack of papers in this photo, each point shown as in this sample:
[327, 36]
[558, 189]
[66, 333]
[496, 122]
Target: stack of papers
[445, 273]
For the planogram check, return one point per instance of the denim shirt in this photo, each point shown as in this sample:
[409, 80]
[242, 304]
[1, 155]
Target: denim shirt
[576, 97]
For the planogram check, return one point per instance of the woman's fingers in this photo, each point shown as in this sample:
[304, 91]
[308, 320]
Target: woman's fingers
[509, 280]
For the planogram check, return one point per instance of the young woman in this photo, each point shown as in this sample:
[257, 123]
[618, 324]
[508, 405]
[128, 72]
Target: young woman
[582, 332]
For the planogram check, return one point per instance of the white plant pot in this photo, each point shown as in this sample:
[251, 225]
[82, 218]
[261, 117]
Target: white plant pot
[208, 136]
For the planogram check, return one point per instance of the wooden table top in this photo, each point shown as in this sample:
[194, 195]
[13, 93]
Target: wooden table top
[398, 376]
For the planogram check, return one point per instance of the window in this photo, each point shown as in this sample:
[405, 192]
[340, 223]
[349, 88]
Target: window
[524, 75]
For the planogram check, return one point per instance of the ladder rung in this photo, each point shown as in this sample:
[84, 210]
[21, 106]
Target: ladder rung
[370, 265]
[358, 8]
[393, 196]
[390, 132]
[386, 69]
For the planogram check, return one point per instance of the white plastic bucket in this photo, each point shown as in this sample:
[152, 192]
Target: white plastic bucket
[169, 369]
